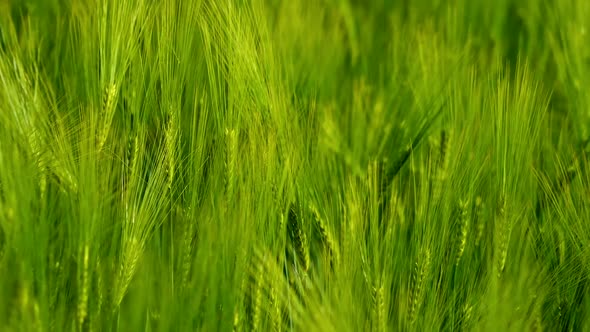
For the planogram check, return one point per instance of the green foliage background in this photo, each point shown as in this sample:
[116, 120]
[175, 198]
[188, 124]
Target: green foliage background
[303, 165]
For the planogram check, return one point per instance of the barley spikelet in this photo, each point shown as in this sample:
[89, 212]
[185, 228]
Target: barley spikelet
[479, 207]
[108, 112]
[445, 141]
[300, 240]
[396, 205]
[421, 273]
[43, 184]
[237, 321]
[131, 254]
[503, 235]
[464, 225]
[25, 315]
[276, 315]
[327, 238]
[186, 257]
[379, 311]
[537, 323]
[442, 162]
[282, 225]
[36, 317]
[466, 316]
[256, 296]
[99, 294]
[231, 150]
[83, 295]
[170, 142]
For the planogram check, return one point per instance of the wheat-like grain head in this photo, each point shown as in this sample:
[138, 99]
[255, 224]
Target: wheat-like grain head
[464, 224]
[327, 237]
[107, 114]
[419, 279]
[171, 138]
[479, 220]
[83, 290]
[502, 234]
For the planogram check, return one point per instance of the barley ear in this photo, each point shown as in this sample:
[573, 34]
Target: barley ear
[327, 237]
[479, 208]
[257, 284]
[237, 319]
[503, 235]
[276, 315]
[379, 312]
[441, 166]
[187, 251]
[300, 240]
[131, 254]
[464, 224]
[419, 279]
[107, 114]
[83, 290]
[171, 137]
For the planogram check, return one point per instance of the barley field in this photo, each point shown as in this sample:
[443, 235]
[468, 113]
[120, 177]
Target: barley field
[301, 165]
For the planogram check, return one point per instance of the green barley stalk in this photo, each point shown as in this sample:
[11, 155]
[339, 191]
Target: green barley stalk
[231, 156]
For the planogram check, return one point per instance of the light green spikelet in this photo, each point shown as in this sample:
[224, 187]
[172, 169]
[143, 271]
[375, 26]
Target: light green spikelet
[186, 257]
[464, 224]
[441, 165]
[300, 242]
[419, 279]
[327, 237]
[107, 114]
[238, 319]
[83, 295]
[131, 254]
[171, 138]
[503, 235]
[100, 289]
[277, 317]
[379, 311]
[467, 316]
[43, 184]
[256, 296]
[479, 208]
